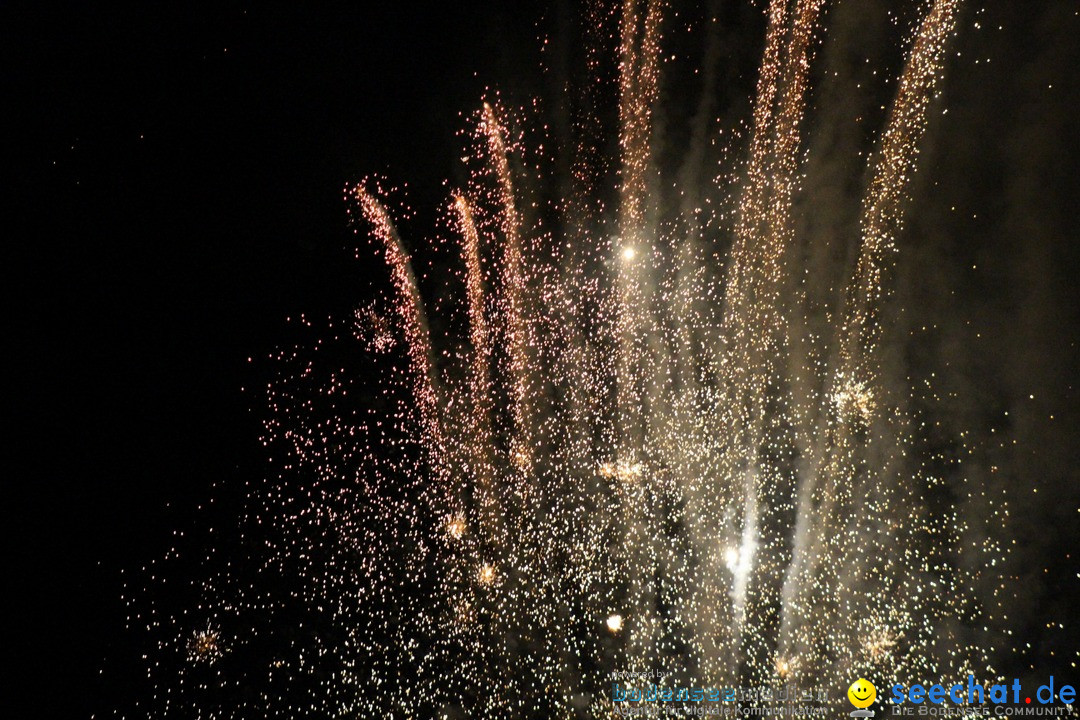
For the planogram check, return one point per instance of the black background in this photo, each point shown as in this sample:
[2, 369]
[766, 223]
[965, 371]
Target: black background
[176, 176]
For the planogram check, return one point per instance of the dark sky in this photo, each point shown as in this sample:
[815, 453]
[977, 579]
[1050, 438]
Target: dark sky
[174, 176]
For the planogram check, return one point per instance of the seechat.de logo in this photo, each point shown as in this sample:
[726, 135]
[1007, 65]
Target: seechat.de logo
[972, 693]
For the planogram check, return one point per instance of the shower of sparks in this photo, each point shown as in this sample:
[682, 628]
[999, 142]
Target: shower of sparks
[619, 421]
[625, 471]
[376, 330]
[456, 527]
[205, 646]
[486, 574]
[854, 399]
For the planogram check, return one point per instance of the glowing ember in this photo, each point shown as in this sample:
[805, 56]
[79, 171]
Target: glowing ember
[486, 574]
[205, 646]
[455, 526]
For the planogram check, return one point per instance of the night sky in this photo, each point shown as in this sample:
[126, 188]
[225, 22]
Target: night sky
[173, 187]
[175, 174]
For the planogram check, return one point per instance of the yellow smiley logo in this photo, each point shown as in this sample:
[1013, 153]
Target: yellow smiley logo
[862, 693]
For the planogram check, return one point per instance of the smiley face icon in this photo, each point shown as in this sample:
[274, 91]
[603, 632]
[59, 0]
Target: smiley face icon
[862, 693]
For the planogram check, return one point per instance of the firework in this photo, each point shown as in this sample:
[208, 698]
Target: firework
[205, 646]
[636, 457]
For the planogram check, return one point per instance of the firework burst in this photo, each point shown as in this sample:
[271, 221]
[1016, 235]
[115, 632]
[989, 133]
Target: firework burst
[637, 455]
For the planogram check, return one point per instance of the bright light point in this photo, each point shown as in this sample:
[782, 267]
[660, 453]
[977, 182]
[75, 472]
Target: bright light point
[731, 559]
[205, 646]
[855, 399]
[455, 527]
[520, 458]
[614, 623]
[628, 253]
[486, 574]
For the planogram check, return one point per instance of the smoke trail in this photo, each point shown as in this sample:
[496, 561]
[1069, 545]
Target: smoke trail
[517, 326]
[754, 327]
[883, 207]
[855, 390]
[412, 317]
[480, 385]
